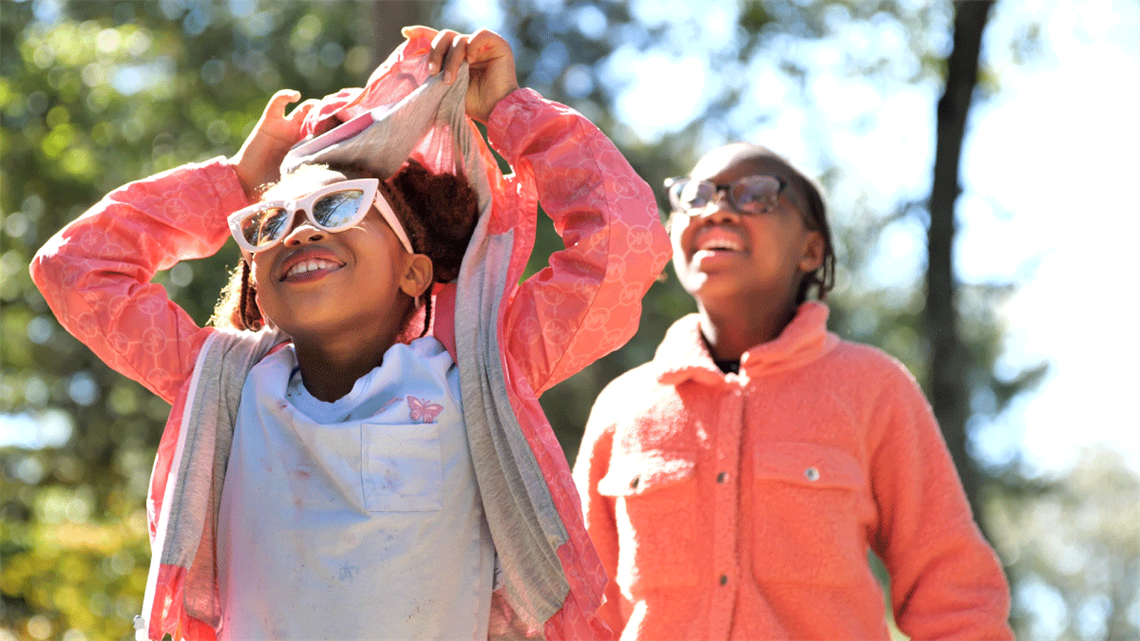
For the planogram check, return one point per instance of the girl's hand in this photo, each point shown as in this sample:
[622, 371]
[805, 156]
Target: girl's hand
[490, 61]
[258, 162]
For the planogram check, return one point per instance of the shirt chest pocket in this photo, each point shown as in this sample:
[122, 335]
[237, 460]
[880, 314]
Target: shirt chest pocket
[806, 523]
[655, 505]
[400, 468]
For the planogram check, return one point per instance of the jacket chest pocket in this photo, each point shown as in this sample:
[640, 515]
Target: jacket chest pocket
[806, 523]
[400, 468]
[655, 501]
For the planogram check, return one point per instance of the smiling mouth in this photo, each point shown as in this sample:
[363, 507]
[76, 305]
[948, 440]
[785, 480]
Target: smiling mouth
[310, 265]
[720, 244]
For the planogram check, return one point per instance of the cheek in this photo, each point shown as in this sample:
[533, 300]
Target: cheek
[259, 278]
[258, 269]
[682, 266]
[679, 237]
[676, 228]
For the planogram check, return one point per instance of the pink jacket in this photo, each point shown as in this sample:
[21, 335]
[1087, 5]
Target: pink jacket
[743, 506]
[96, 272]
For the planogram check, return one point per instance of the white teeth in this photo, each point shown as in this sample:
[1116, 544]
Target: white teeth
[308, 266]
[721, 244]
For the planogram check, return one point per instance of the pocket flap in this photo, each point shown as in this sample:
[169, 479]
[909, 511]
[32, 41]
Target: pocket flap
[808, 464]
[631, 475]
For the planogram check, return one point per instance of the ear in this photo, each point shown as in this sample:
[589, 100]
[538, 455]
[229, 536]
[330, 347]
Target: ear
[812, 257]
[418, 275]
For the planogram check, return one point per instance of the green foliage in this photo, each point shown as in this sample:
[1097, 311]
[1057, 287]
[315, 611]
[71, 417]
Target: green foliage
[70, 572]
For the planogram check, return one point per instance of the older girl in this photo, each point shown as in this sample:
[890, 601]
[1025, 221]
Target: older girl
[735, 484]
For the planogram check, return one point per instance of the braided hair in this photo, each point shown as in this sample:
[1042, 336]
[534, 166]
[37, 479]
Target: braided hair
[815, 219]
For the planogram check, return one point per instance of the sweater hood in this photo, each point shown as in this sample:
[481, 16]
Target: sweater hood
[684, 354]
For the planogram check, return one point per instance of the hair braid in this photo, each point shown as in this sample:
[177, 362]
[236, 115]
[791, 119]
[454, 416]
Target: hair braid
[250, 313]
[427, 314]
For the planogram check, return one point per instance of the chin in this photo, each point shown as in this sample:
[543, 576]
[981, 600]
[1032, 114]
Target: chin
[294, 327]
[710, 289]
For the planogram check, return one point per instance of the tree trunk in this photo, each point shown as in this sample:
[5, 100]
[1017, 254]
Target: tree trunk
[949, 388]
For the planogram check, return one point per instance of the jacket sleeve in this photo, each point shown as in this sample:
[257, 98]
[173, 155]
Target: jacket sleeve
[95, 273]
[946, 581]
[590, 467]
[587, 301]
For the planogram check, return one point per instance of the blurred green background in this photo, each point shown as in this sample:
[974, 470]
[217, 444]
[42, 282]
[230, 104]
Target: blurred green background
[96, 94]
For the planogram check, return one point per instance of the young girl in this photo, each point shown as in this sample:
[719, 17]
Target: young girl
[734, 485]
[369, 397]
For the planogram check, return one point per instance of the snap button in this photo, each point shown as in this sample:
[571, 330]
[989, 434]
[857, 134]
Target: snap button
[720, 478]
[634, 482]
[139, 622]
[812, 474]
[723, 579]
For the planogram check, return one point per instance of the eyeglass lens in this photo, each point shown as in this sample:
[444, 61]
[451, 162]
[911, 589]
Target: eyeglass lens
[748, 195]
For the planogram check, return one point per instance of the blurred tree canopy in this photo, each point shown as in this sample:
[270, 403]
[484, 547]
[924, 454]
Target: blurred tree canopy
[94, 95]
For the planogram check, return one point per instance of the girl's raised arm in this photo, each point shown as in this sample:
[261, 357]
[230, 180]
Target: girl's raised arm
[95, 273]
[587, 302]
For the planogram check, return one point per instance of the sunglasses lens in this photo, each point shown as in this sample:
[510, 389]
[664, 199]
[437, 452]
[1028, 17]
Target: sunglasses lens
[264, 226]
[338, 208]
[756, 194]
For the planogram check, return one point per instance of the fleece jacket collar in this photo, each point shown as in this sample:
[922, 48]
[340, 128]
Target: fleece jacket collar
[683, 354]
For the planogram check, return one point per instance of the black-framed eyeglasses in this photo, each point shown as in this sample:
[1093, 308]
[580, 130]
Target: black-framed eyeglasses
[749, 195]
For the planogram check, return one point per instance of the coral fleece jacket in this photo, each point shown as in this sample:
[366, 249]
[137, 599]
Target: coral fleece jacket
[742, 506]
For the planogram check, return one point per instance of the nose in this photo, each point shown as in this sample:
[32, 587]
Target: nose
[717, 209]
[303, 231]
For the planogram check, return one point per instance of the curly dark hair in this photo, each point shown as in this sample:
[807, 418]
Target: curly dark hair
[438, 211]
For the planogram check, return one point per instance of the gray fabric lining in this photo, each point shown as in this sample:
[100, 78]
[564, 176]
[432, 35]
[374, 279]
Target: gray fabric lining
[209, 423]
[515, 495]
[225, 363]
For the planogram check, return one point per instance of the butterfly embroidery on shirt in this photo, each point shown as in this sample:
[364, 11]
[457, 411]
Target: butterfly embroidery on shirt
[423, 410]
